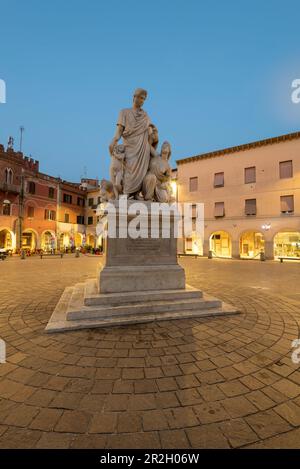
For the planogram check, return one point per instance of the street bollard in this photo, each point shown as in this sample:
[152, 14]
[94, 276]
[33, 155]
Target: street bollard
[210, 255]
[23, 254]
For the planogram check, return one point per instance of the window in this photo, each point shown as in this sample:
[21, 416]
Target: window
[91, 202]
[67, 218]
[287, 203]
[67, 198]
[250, 175]
[51, 193]
[80, 201]
[250, 206]
[6, 208]
[219, 180]
[30, 212]
[286, 169]
[219, 209]
[90, 220]
[50, 214]
[31, 187]
[80, 219]
[193, 184]
[194, 211]
[8, 176]
[99, 200]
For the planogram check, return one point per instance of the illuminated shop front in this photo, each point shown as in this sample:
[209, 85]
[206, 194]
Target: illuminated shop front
[287, 244]
[6, 239]
[28, 240]
[251, 245]
[220, 244]
[48, 241]
[193, 244]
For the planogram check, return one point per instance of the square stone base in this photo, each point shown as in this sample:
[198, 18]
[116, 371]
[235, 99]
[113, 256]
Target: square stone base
[117, 279]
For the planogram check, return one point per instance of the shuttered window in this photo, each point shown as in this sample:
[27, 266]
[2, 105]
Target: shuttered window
[287, 203]
[250, 206]
[219, 180]
[30, 212]
[286, 169]
[250, 175]
[193, 184]
[219, 209]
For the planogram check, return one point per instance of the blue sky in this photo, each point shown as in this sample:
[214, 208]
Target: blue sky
[218, 74]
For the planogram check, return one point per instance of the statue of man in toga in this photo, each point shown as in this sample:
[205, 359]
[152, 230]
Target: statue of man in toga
[134, 127]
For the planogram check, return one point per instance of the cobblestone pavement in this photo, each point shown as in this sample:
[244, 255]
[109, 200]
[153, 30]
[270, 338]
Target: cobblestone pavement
[202, 383]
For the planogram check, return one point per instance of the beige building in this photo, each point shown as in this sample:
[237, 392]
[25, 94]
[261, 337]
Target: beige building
[251, 196]
[91, 219]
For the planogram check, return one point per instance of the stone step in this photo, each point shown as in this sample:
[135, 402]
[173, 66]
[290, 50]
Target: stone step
[92, 297]
[59, 323]
[77, 309]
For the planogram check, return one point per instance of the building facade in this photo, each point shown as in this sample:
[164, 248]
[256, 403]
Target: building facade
[38, 211]
[93, 240]
[251, 197]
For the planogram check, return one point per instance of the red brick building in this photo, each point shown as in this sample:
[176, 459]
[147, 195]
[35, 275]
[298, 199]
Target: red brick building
[38, 211]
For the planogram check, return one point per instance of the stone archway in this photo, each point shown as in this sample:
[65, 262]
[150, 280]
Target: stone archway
[29, 240]
[252, 243]
[6, 239]
[220, 244]
[48, 241]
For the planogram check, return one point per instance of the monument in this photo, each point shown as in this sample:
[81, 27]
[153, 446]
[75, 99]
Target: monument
[139, 279]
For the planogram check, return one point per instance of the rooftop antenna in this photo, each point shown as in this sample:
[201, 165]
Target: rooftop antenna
[21, 136]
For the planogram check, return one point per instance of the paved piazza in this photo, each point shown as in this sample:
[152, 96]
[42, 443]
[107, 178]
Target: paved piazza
[203, 383]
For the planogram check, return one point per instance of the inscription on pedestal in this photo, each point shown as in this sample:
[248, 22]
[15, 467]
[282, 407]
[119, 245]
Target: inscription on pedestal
[143, 244]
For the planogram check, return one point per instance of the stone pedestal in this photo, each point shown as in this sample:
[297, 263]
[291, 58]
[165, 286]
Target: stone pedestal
[144, 263]
[139, 281]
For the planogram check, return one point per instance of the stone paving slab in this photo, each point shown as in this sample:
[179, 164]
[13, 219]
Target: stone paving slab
[223, 382]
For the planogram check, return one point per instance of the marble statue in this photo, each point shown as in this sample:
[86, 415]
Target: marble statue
[137, 169]
[133, 126]
[106, 191]
[117, 169]
[156, 184]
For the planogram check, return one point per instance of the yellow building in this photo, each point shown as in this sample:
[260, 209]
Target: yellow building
[251, 196]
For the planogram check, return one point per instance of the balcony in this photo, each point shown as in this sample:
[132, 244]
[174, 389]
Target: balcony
[13, 188]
